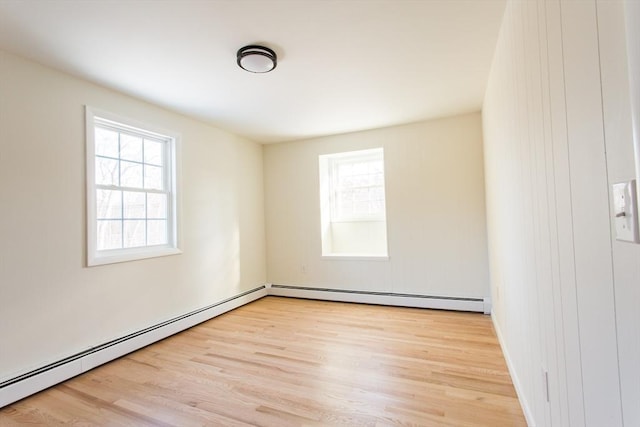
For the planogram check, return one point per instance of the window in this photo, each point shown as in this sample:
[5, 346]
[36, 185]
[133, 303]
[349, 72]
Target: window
[131, 190]
[353, 212]
[357, 186]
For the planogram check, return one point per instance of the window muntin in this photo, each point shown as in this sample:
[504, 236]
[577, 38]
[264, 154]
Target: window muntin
[131, 190]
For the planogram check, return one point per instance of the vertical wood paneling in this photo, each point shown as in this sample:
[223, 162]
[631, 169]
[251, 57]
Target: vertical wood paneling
[540, 215]
[512, 201]
[589, 199]
[558, 407]
[615, 74]
[548, 216]
[568, 338]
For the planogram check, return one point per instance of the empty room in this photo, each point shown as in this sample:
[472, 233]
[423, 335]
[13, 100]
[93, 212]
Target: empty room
[320, 213]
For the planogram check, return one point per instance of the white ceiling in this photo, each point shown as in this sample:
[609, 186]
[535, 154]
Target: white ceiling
[343, 65]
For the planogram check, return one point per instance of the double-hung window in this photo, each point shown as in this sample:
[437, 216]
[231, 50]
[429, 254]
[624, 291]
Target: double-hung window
[357, 186]
[352, 197]
[131, 190]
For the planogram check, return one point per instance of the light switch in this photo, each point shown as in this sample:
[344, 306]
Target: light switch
[625, 211]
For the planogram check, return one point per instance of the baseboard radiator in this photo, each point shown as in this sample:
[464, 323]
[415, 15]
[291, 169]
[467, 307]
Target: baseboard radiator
[39, 379]
[24, 385]
[481, 305]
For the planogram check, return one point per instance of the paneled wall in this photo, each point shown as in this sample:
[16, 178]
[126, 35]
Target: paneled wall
[557, 134]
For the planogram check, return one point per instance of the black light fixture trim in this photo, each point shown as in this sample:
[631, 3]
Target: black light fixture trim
[252, 49]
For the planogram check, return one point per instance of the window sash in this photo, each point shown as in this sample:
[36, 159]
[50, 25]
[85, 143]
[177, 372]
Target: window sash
[339, 213]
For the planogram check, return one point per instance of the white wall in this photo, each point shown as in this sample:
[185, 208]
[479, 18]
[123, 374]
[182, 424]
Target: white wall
[621, 167]
[557, 134]
[436, 228]
[51, 304]
[358, 237]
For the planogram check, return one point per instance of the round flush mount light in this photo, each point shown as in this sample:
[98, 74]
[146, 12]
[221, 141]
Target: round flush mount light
[257, 59]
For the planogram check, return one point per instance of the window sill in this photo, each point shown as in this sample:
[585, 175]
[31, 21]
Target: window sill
[355, 257]
[124, 256]
[357, 220]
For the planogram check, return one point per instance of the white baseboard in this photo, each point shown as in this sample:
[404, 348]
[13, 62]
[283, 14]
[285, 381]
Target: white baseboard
[481, 305]
[32, 382]
[526, 409]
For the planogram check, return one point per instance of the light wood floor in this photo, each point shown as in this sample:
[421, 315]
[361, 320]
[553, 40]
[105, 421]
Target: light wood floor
[287, 362]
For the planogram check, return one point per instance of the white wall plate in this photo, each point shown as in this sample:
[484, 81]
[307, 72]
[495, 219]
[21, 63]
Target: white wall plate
[625, 211]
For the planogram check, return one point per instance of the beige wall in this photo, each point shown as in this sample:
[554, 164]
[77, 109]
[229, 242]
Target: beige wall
[436, 228]
[51, 305]
[557, 134]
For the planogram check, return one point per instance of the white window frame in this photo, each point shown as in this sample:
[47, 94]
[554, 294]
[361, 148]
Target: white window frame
[171, 152]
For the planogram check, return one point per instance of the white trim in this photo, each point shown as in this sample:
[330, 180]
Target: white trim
[40, 381]
[355, 257]
[528, 415]
[172, 169]
[132, 254]
[486, 302]
[379, 298]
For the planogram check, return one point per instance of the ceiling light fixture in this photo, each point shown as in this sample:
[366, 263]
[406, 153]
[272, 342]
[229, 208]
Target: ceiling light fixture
[257, 59]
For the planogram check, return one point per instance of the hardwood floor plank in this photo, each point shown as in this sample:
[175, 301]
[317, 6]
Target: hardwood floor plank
[286, 362]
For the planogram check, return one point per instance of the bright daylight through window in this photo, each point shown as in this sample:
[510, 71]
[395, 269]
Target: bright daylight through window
[353, 211]
[131, 196]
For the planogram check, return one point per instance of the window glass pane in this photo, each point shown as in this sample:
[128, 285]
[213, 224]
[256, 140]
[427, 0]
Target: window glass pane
[345, 169]
[153, 152]
[130, 147]
[346, 195]
[157, 205]
[153, 177]
[134, 233]
[378, 193]
[358, 189]
[109, 235]
[361, 195]
[376, 167]
[130, 174]
[108, 204]
[106, 142]
[346, 209]
[360, 168]
[347, 182]
[134, 205]
[361, 180]
[377, 207]
[157, 232]
[106, 171]
[361, 208]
